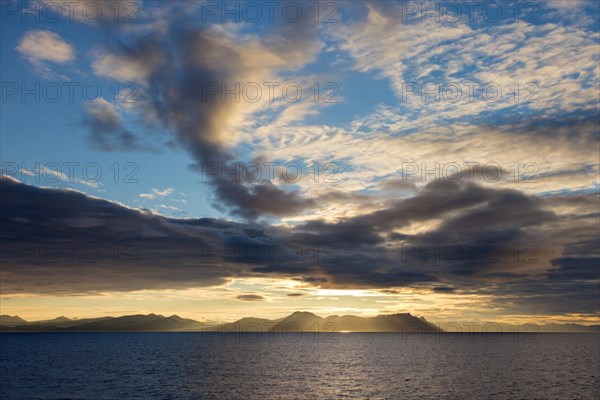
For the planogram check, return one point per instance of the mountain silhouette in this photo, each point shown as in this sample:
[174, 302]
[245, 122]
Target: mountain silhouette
[299, 321]
[128, 323]
[7, 320]
[302, 321]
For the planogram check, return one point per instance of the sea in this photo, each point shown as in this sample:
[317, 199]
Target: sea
[189, 365]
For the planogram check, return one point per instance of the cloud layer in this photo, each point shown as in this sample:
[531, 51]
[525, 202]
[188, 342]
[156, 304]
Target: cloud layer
[498, 242]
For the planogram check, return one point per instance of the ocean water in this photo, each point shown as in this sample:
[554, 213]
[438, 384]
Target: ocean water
[299, 366]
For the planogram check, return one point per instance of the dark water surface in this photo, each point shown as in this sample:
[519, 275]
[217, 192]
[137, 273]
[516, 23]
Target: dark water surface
[294, 366]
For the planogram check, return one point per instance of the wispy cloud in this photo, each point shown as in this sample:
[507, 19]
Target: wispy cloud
[156, 193]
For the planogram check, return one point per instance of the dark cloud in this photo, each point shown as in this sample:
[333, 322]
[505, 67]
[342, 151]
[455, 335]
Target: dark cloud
[65, 242]
[579, 126]
[62, 241]
[398, 184]
[469, 211]
[253, 200]
[180, 66]
[443, 289]
[250, 297]
[571, 268]
[107, 132]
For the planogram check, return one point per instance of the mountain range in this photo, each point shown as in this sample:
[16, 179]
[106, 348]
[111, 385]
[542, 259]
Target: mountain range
[296, 322]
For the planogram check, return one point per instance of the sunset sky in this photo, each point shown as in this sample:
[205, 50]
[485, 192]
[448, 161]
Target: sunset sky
[220, 160]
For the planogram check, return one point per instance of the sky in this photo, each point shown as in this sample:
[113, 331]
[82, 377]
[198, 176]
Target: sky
[218, 160]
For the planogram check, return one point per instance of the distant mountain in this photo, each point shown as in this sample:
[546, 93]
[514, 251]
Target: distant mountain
[302, 321]
[128, 323]
[142, 323]
[59, 321]
[299, 321]
[7, 320]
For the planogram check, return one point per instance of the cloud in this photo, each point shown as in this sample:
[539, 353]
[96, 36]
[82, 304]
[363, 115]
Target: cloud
[173, 67]
[443, 289]
[84, 244]
[255, 200]
[560, 60]
[156, 193]
[250, 297]
[41, 47]
[437, 200]
[176, 92]
[567, 6]
[129, 63]
[107, 130]
[536, 155]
